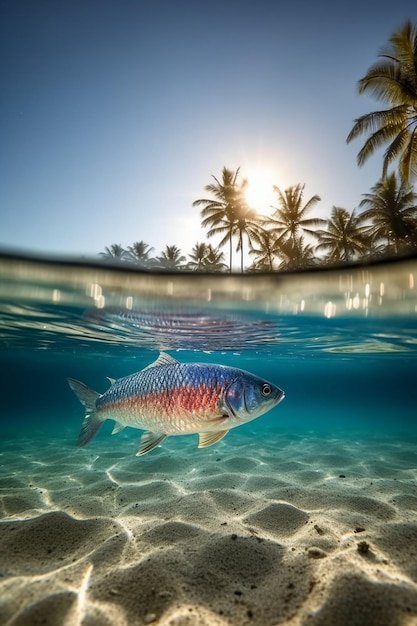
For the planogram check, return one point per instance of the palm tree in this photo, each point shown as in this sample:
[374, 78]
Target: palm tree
[171, 258]
[392, 80]
[115, 251]
[391, 206]
[345, 237]
[220, 213]
[247, 223]
[266, 250]
[295, 253]
[289, 221]
[206, 258]
[214, 259]
[198, 257]
[139, 252]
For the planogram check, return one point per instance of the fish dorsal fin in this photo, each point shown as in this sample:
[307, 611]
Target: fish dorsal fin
[117, 428]
[149, 441]
[207, 439]
[163, 359]
[111, 380]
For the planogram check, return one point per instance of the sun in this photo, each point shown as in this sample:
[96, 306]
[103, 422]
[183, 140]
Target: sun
[259, 191]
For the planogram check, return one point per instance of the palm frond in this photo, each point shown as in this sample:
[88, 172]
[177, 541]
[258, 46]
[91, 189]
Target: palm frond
[395, 149]
[386, 81]
[408, 159]
[392, 79]
[375, 141]
[371, 122]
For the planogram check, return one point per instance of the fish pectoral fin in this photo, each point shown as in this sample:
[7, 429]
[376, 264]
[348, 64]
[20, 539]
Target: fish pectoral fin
[163, 359]
[149, 441]
[207, 439]
[117, 428]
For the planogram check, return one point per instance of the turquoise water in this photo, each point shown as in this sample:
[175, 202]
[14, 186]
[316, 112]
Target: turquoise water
[343, 345]
[306, 516]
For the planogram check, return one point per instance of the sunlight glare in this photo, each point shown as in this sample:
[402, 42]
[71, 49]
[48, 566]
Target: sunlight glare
[259, 192]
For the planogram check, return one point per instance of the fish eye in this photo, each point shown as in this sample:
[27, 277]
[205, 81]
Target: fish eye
[266, 389]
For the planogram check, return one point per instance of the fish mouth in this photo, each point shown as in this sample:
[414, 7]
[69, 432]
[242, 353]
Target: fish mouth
[280, 396]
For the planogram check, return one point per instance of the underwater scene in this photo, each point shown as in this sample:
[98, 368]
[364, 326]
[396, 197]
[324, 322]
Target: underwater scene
[283, 494]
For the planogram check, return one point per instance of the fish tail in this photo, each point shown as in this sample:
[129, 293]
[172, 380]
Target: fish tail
[92, 420]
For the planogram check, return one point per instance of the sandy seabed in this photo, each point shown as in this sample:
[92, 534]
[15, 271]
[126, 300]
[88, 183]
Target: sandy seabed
[256, 530]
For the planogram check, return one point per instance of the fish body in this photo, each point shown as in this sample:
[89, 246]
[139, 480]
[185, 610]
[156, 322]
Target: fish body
[173, 398]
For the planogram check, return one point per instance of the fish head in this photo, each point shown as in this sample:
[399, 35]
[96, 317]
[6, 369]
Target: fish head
[248, 397]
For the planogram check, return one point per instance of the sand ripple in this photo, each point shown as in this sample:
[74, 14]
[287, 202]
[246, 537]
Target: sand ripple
[297, 532]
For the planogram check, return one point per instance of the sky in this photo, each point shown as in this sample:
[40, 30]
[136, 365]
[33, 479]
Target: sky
[116, 113]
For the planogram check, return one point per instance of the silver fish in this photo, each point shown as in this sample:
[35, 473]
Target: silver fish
[173, 398]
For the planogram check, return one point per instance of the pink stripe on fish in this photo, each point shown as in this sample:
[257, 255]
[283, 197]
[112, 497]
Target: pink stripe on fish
[169, 401]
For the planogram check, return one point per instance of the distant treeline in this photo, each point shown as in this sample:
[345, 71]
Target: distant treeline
[384, 224]
[291, 238]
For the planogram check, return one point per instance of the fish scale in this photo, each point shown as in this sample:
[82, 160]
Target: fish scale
[166, 393]
[172, 398]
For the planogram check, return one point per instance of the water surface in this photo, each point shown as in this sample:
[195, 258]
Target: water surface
[263, 527]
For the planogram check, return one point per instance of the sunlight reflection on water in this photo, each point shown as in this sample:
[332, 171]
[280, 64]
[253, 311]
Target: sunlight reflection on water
[207, 311]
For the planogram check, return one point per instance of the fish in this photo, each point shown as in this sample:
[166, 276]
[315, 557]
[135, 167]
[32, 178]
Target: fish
[172, 398]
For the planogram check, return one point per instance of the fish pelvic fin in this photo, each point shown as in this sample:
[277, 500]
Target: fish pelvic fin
[207, 439]
[117, 428]
[92, 421]
[149, 441]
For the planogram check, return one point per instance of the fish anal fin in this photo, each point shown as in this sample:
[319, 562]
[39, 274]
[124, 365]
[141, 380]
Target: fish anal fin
[163, 359]
[207, 439]
[117, 428]
[149, 441]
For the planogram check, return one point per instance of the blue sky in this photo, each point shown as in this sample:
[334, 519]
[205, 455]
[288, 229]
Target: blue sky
[114, 114]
